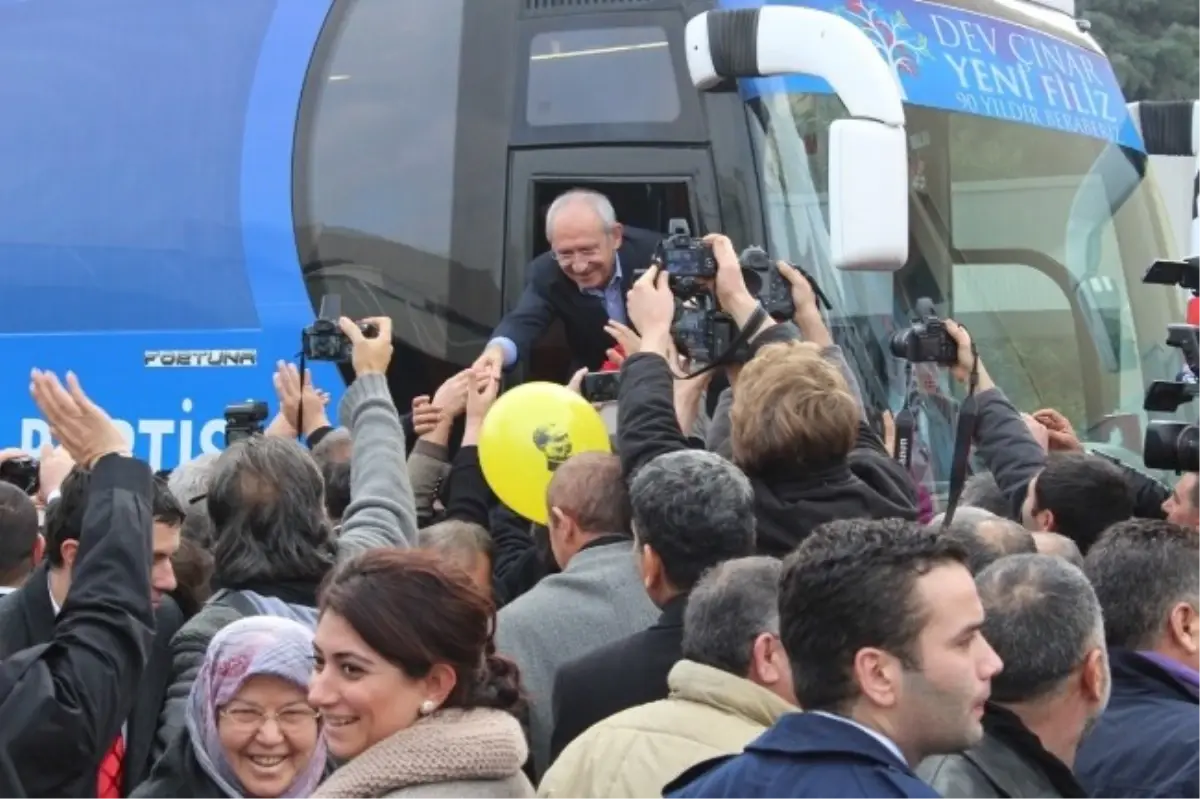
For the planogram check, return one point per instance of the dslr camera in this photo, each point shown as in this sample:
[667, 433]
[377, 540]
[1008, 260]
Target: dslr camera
[927, 340]
[22, 473]
[323, 340]
[244, 420]
[1174, 446]
[701, 330]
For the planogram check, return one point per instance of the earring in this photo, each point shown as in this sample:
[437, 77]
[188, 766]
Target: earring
[427, 707]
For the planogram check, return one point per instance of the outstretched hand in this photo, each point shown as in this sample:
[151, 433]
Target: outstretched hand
[83, 428]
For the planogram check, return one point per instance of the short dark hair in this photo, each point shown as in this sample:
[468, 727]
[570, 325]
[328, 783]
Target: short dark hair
[336, 475]
[18, 533]
[734, 603]
[166, 508]
[1085, 493]
[982, 491]
[986, 537]
[266, 501]
[851, 585]
[694, 509]
[1140, 568]
[64, 517]
[1041, 617]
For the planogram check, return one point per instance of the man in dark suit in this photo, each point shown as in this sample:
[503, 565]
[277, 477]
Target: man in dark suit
[582, 281]
[28, 615]
[691, 510]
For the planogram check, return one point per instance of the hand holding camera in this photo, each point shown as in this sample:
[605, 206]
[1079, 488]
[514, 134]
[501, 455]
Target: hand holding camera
[370, 344]
[651, 308]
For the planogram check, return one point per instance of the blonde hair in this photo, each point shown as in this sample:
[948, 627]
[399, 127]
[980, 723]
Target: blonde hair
[792, 407]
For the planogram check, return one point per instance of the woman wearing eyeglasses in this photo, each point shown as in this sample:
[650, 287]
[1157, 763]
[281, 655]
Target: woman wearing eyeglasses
[250, 730]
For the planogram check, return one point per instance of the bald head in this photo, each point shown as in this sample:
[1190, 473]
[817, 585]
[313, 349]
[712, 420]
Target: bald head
[986, 536]
[1060, 545]
[590, 488]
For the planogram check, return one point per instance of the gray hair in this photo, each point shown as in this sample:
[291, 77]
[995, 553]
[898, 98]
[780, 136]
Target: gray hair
[593, 200]
[327, 449]
[266, 500]
[985, 536]
[1141, 569]
[1042, 618]
[694, 509]
[1059, 545]
[734, 603]
[982, 491]
[189, 483]
[456, 537]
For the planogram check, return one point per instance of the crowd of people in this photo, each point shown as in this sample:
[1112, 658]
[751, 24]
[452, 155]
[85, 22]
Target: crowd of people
[748, 602]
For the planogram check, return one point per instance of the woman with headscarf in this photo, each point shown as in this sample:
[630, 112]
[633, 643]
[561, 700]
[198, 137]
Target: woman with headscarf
[250, 731]
[413, 698]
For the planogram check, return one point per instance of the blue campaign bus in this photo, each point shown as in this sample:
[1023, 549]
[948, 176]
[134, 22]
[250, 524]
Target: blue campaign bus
[181, 182]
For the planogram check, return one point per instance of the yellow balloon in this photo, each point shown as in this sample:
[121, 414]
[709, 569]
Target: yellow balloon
[527, 434]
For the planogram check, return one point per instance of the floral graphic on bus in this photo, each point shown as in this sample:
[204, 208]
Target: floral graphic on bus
[893, 37]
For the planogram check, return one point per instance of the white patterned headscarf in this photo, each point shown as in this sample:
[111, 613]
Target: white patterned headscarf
[253, 646]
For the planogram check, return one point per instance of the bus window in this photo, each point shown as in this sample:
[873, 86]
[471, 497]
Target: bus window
[602, 76]
[374, 177]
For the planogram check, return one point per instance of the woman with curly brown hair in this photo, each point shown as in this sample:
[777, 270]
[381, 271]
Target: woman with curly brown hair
[412, 695]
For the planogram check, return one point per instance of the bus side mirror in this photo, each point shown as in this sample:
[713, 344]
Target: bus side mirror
[868, 195]
[868, 152]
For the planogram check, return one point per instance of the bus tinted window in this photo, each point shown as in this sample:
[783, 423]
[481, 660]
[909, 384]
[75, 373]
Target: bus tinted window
[608, 76]
[375, 162]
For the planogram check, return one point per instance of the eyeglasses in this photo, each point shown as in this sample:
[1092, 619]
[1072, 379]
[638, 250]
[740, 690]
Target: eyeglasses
[567, 257]
[252, 719]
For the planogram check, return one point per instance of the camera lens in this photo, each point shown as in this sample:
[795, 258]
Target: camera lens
[1187, 449]
[898, 343]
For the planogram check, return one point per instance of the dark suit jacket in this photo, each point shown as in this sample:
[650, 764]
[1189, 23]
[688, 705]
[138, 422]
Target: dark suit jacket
[27, 619]
[549, 294]
[616, 677]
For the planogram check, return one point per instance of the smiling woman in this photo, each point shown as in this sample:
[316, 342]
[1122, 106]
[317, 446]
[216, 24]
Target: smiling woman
[414, 699]
[250, 730]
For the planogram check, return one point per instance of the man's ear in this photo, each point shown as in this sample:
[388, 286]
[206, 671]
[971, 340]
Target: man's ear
[1183, 625]
[1045, 520]
[69, 549]
[618, 234]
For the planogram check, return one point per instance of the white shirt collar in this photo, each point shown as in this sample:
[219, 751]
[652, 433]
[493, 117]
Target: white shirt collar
[53, 602]
[878, 736]
[5, 590]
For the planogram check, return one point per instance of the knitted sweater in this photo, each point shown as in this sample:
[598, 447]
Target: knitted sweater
[471, 753]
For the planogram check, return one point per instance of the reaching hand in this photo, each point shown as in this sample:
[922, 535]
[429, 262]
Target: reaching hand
[451, 396]
[576, 381]
[298, 398]
[490, 362]
[84, 429]
[482, 391]
[425, 416]
[370, 355]
[651, 305]
[1040, 434]
[53, 468]
[1061, 435]
[628, 341]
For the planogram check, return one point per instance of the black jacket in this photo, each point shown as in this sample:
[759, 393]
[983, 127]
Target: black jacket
[1009, 763]
[27, 619]
[549, 294]
[1147, 743]
[621, 675]
[178, 775]
[788, 503]
[62, 702]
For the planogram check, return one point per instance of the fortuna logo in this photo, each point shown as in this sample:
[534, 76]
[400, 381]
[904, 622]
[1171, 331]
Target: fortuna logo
[218, 358]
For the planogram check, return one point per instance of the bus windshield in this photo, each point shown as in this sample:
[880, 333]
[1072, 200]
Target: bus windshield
[1035, 239]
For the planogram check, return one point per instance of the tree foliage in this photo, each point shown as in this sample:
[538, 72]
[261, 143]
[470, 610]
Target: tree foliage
[1152, 44]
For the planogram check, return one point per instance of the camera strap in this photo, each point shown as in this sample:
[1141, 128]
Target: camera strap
[755, 321]
[964, 435]
[906, 422]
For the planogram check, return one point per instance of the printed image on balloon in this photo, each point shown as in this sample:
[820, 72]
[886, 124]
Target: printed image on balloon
[531, 431]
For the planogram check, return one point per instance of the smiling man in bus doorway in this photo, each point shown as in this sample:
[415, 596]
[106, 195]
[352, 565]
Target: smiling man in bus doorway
[582, 280]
